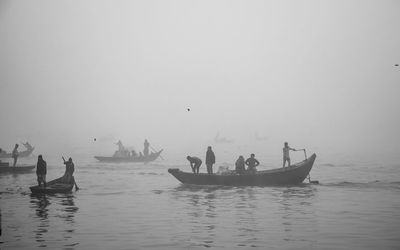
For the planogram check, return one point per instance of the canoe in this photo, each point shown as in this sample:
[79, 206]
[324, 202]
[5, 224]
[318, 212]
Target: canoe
[292, 175]
[21, 154]
[53, 187]
[5, 168]
[112, 159]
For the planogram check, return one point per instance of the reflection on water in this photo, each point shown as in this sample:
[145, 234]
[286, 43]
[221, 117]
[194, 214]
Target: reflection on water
[48, 208]
[40, 204]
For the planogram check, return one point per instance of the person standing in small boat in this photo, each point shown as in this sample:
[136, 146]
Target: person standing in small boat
[69, 170]
[239, 165]
[210, 160]
[252, 163]
[15, 154]
[286, 157]
[41, 171]
[146, 148]
[195, 163]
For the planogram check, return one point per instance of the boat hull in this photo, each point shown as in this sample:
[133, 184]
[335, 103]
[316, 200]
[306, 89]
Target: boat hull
[21, 154]
[292, 175]
[111, 159]
[53, 187]
[16, 169]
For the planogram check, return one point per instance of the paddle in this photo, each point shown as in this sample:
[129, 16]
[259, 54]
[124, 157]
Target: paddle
[73, 179]
[156, 151]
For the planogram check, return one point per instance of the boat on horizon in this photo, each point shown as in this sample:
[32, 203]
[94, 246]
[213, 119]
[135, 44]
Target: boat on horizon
[291, 175]
[129, 159]
[26, 153]
[6, 168]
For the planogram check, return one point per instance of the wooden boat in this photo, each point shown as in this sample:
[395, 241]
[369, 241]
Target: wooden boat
[294, 174]
[115, 159]
[22, 154]
[6, 168]
[53, 187]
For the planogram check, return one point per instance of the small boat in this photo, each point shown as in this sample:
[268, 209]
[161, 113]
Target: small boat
[53, 187]
[294, 174]
[6, 168]
[126, 159]
[22, 154]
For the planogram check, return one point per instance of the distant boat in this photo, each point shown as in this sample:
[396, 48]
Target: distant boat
[121, 159]
[53, 187]
[6, 168]
[26, 153]
[294, 174]
[222, 140]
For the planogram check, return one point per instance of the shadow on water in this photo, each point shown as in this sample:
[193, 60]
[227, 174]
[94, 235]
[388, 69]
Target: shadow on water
[48, 208]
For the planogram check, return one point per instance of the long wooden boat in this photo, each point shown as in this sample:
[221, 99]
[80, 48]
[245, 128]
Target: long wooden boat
[294, 174]
[5, 168]
[111, 159]
[21, 154]
[53, 187]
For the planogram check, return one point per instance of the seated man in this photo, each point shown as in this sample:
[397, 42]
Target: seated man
[195, 163]
[239, 165]
[252, 163]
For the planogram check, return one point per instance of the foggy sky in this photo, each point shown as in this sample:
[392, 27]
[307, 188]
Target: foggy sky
[319, 74]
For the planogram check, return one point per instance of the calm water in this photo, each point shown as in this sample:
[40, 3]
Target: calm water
[136, 206]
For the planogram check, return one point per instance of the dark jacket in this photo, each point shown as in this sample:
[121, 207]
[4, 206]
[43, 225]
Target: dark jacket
[41, 167]
[210, 157]
[195, 161]
[69, 168]
[252, 163]
[240, 168]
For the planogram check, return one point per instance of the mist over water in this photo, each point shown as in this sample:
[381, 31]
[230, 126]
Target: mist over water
[242, 77]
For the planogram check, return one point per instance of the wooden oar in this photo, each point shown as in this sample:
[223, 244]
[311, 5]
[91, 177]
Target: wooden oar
[76, 186]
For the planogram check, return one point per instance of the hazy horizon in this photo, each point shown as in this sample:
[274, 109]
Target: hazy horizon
[318, 74]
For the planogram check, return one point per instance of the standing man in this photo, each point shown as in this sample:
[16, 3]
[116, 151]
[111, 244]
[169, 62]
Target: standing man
[69, 170]
[210, 160]
[252, 163]
[146, 148]
[195, 163]
[41, 171]
[15, 154]
[286, 157]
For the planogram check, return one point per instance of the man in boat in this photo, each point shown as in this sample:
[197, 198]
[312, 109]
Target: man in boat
[69, 170]
[41, 171]
[146, 148]
[15, 154]
[195, 163]
[239, 165]
[286, 157]
[252, 163]
[210, 160]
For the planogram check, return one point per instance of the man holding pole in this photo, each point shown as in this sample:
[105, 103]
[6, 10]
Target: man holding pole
[286, 157]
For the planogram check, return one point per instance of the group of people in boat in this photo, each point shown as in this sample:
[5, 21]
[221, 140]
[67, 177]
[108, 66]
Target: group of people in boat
[240, 164]
[124, 152]
[15, 153]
